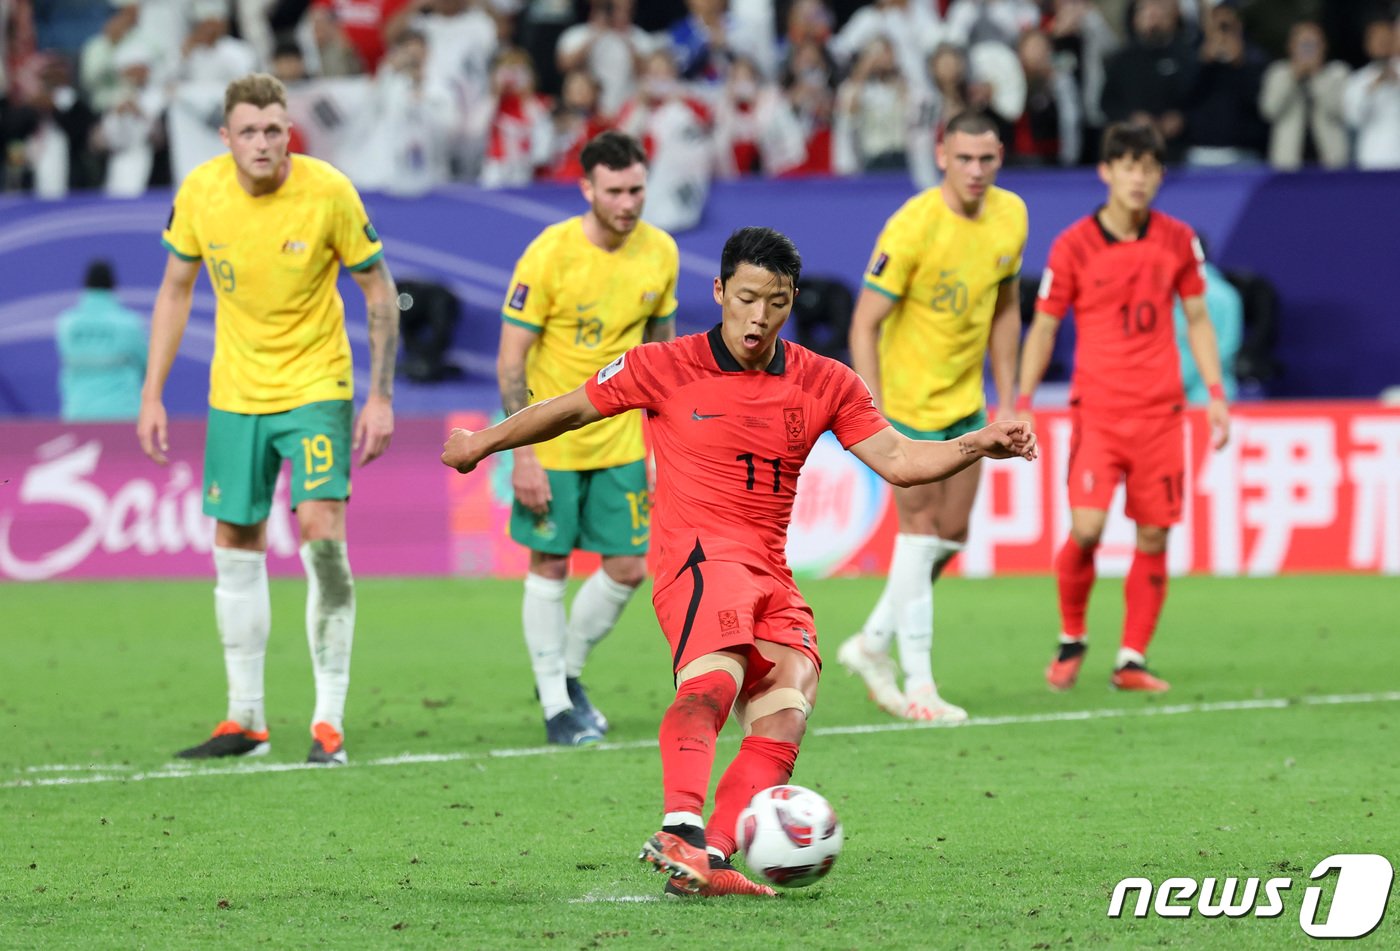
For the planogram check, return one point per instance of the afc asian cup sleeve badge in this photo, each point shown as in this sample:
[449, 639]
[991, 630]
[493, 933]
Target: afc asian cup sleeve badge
[877, 267]
[612, 369]
[517, 296]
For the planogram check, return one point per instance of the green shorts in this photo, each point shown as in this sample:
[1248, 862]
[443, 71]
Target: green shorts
[968, 424]
[607, 511]
[243, 454]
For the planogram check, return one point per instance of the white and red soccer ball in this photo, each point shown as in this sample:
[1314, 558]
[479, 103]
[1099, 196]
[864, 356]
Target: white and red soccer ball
[789, 835]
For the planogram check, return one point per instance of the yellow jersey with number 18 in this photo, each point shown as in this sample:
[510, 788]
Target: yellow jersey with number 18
[279, 324]
[944, 272]
[589, 307]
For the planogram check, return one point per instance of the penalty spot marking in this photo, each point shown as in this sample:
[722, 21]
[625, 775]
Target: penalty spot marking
[119, 773]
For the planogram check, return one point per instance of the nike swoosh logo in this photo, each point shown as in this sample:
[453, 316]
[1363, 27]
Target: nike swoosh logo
[582, 307]
[695, 414]
[639, 539]
[942, 273]
[215, 247]
[308, 485]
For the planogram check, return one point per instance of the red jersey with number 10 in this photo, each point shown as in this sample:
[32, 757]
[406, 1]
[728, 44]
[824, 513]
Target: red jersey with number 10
[730, 442]
[1125, 357]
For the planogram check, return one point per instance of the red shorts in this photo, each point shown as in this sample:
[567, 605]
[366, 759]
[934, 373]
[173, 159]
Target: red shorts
[1148, 451]
[707, 606]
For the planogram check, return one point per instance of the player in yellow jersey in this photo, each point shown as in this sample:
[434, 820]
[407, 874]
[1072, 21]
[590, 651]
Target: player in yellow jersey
[273, 230]
[942, 292]
[585, 292]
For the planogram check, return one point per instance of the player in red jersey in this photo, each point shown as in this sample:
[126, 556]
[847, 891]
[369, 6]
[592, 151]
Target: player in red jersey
[733, 414]
[1119, 269]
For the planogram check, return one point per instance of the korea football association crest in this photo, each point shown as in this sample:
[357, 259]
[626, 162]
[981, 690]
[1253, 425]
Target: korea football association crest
[795, 423]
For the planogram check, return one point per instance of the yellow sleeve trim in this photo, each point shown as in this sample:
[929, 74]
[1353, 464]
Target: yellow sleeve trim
[520, 323]
[178, 253]
[367, 262]
[880, 290]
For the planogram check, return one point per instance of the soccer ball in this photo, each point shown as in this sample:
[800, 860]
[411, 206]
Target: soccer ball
[789, 835]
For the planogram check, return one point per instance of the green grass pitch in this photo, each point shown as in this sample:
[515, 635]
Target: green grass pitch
[453, 829]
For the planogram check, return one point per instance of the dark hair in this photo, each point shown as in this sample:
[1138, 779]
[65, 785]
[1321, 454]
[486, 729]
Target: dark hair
[972, 122]
[287, 46]
[616, 150]
[1130, 140]
[764, 248]
[99, 276]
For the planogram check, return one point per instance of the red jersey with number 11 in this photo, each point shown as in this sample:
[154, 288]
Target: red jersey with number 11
[730, 442]
[1125, 357]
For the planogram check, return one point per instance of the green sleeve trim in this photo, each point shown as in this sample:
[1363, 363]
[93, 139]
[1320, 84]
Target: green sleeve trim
[520, 323]
[880, 290]
[178, 253]
[657, 320]
[367, 262]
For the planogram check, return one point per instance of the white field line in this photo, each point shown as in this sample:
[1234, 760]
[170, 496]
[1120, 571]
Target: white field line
[116, 773]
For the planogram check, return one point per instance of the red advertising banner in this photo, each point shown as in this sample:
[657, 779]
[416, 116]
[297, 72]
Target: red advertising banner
[1301, 487]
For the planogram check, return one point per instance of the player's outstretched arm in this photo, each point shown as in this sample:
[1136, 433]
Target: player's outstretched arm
[535, 423]
[902, 461]
[168, 320]
[375, 426]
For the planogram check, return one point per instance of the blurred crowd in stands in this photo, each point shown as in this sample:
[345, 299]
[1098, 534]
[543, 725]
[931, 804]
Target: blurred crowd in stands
[408, 95]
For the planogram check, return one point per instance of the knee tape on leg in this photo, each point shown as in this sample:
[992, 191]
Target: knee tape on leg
[780, 698]
[719, 660]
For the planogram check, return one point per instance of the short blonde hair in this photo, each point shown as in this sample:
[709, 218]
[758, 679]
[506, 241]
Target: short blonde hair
[256, 89]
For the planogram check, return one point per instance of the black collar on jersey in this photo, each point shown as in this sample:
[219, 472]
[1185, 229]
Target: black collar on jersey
[1109, 236]
[728, 364]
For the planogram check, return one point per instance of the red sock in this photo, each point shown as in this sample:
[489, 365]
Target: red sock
[688, 732]
[1074, 569]
[762, 762]
[1145, 590]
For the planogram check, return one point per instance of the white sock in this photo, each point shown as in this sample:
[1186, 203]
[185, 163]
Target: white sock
[911, 600]
[243, 613]
[682, 819]
[330, 626]
[1126, 656]
[946, 551]
[543, 619]
[595, 610]
[878, 632]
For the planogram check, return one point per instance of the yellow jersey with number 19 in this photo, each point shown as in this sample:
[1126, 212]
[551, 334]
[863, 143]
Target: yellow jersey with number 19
[944, 272]
[279, 323]
[589, 307]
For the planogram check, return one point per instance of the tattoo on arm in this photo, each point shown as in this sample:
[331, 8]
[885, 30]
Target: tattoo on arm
[515, 395]
[965, 448]
[383, 335]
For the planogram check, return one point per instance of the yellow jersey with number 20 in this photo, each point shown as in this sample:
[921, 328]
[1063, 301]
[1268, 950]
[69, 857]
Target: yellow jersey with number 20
[589, 307]
[279, 324]
[944, 272]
